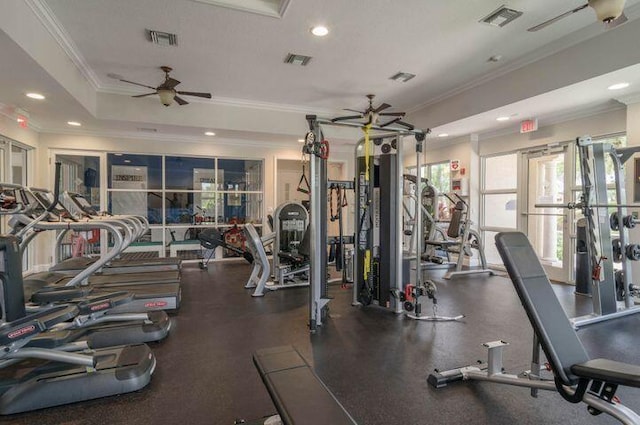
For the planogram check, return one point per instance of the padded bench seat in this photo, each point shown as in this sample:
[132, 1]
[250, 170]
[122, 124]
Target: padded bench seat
[298, 394]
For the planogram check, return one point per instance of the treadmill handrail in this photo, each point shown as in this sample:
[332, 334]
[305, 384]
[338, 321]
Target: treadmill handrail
[81, 226]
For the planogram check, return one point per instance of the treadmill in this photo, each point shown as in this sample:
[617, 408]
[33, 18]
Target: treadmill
[78, 206]
[139, 225]
[34, 378]
[162, 294]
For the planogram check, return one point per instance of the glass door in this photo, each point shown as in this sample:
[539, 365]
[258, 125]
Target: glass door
[547, 228]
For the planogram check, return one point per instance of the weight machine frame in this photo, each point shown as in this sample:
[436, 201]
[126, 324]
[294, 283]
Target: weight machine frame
[318, 290]
[594, 188]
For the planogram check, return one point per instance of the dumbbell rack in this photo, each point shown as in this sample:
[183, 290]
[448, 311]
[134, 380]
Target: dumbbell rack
[603, 249]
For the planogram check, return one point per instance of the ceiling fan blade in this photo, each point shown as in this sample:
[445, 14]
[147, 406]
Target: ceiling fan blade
[138, 84]
[618, 21]
[170, 83]
[351, 117]
[382, 107]
[353, 110]
[557, 18]
[193, 93]
[143, 95]
[392, 114]
[406, 124]
[393, 121]
[180, 100]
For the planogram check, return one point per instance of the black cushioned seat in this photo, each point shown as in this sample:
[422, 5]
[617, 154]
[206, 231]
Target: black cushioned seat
[559, 340]
[299, 395]
[609, 371]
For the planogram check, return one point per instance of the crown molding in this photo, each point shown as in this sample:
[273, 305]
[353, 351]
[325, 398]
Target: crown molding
[549, 49]
[163, 137]
[629, 99]
[42, 11]
[229, 101]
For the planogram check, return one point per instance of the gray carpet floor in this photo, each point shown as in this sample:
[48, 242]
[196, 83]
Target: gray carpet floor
[375, 362]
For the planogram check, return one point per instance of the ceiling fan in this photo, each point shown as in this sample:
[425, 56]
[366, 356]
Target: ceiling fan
[373, 115]
[167, 90]
[611, 12]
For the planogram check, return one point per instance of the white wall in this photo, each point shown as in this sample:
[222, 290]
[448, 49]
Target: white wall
[10, 128]
[597, 125]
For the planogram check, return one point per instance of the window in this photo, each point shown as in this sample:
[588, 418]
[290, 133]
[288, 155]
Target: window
[178, 193]
[499, 200]
[14, 162]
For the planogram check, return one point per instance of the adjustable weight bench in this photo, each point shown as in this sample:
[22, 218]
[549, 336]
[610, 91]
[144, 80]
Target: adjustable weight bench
[576, 377]
[299, 396]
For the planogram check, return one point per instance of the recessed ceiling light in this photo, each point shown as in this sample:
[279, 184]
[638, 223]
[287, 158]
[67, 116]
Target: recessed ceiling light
[74, 123]
[209, 133]
[118, 154]
[300, 140]
[443, 135]
[319, 31]
[36, 96]
[618, 86]
[503, 118]
[127, 161]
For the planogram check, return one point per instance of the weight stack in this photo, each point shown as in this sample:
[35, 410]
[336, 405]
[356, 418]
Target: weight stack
[583, 259]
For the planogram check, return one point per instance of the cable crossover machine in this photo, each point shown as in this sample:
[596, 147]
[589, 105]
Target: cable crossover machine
[381, 274]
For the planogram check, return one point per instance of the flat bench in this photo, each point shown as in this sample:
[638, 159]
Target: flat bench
[298, 394]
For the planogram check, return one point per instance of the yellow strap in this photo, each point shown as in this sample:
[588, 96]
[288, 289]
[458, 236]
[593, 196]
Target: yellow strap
[367, 264]
[367, 150]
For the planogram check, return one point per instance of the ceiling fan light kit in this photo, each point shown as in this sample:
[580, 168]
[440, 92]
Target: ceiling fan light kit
[373, 116]
[611, 12]
[166, 91]
[166, 96]
[607, 10]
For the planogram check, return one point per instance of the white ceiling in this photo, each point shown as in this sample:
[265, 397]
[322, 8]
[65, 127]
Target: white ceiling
[238, 56]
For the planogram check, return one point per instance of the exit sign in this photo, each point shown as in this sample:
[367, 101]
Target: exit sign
[527, 126]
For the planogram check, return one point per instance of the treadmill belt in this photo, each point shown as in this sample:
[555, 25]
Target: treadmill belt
[165, 276]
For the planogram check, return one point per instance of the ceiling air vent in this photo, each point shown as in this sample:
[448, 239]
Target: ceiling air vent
[402, 77]
[273, 8]
[294, 59]
[147, 130]
[501, 17]
[162, 38]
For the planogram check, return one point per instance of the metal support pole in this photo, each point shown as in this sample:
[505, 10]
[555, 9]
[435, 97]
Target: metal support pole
[418, 214]
[318, 229]
[534, 373]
